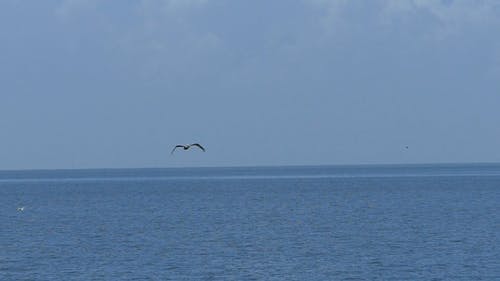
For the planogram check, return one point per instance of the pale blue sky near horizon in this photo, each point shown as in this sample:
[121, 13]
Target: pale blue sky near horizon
[116, 84]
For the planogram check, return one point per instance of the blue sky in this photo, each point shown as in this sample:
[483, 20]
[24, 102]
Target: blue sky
[89, 84]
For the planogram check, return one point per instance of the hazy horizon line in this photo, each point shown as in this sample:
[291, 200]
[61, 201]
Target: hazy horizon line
[256, 166]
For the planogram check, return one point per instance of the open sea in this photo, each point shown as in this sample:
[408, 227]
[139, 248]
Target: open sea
[382, 222]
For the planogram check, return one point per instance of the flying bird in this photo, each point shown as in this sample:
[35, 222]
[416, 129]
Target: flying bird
[187, 146]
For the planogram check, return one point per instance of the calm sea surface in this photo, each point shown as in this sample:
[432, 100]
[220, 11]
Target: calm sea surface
[423, 222]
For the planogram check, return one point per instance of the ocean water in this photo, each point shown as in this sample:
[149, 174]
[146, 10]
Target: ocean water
[419, 222]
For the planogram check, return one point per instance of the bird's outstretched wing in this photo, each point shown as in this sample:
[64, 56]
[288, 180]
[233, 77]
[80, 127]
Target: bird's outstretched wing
[198, 145]
[175, 147]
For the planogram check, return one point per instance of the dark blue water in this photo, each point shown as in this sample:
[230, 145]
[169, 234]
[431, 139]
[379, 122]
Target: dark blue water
[425, 222]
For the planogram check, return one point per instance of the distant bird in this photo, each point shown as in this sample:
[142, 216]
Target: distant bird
[187, 146]
[20, 209]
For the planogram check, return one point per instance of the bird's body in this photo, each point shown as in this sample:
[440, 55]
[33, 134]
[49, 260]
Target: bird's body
[20, 209]
[187, 146]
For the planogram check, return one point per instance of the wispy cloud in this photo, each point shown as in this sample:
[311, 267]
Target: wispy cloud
[67, 8]
[174, 5]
